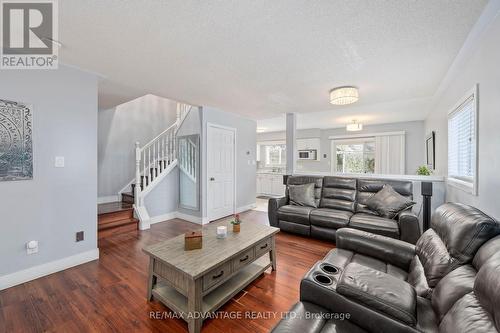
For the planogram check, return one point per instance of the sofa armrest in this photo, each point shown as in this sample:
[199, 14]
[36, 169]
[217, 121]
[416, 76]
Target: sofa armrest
[409, 226]
[393, 251]
[272, 209]
[379, 291]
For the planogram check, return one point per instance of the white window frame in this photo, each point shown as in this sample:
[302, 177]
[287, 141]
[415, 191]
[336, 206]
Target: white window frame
[262, 156]
[470, 187]
[333, 138]
[362, 140]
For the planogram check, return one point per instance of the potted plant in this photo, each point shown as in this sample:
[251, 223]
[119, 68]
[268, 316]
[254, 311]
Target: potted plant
[423, 171]
[236, 223]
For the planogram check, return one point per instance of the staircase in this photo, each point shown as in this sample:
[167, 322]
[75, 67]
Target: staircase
[115, 218]
[154, 161]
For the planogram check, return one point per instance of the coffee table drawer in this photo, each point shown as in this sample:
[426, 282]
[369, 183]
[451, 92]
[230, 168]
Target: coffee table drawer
[263, 247]
[216, 275]
[243, 259]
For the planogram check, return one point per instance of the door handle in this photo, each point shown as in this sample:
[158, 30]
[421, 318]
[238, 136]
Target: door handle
[212, 179]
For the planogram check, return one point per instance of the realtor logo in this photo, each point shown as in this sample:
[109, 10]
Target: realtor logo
[29, 34]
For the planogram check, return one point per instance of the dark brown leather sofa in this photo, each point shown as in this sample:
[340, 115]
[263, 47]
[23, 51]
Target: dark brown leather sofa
[341, 203]
[447, 283]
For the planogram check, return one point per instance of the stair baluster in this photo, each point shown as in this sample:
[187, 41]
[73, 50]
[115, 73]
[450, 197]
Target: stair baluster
[154, 157]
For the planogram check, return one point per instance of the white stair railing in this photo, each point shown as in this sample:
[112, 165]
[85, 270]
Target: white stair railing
[152, 159]
[187, 158]
[182, 112]
[155, 157]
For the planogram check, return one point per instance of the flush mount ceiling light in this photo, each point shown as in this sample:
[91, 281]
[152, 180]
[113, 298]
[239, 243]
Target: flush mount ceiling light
[354, 126]
[344, 95]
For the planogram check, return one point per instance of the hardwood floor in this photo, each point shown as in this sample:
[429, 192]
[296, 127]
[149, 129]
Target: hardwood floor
[109, 295]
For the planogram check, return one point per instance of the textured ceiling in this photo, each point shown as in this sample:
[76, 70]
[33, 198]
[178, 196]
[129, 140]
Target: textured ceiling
[262, 58]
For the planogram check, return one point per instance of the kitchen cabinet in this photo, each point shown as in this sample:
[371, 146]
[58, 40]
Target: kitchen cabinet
[310, 144]
[270, 184]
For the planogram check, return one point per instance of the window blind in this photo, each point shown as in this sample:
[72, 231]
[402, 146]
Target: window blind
[462, 141]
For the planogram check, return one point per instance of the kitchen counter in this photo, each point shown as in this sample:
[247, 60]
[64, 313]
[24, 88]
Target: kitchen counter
[270, 173]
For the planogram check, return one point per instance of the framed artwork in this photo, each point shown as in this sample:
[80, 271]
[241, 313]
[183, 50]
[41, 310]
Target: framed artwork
[16, 141]
[430, 148]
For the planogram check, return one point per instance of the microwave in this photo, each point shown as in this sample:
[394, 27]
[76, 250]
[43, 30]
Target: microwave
[309, 154]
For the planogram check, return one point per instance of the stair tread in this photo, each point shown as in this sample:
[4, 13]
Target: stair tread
[118, 223]
[113, 207]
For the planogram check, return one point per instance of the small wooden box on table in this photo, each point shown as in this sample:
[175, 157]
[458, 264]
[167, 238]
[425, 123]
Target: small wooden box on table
[201, 281]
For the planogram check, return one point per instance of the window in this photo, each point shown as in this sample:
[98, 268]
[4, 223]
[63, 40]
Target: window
[275, 155]
[462, 144]
[355, 155]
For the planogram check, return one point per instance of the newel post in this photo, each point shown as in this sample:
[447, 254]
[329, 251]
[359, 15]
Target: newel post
[137, 174]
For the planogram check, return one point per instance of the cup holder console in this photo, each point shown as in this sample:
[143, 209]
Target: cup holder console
[323, 279]
[329, 269]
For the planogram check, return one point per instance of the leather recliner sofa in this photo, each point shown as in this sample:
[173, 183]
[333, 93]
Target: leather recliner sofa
[448, 282]
[341, 203]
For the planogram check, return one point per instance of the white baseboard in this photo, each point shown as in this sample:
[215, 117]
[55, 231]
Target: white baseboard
[245, 208]
[111, 198]
[189, 218]
[162, 218]
[36, 272]
[145, 225]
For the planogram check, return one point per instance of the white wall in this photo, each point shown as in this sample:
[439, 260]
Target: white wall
[246, 141]
[140, 120]
[482, 67]
[58, 202]
[415, 143]
[164, 198]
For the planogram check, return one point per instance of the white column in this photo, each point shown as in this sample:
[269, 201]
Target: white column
[291, 143]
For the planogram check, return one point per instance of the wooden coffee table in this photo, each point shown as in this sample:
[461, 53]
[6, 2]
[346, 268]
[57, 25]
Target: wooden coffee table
[197, 282]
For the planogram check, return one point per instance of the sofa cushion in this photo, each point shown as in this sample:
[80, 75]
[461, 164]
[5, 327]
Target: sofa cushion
[388, 203]
[463, 229]
[486, 288]
[339, 193]
[302, 195]
[301, 180]
[416, 277]
[330, 218]
[341, 258]
[368, 187]
[297, 214]
[467, 315]
[451, 288]
[458, 231]
[435, 259]
[485, 252]
[375, 224]
[379, 291]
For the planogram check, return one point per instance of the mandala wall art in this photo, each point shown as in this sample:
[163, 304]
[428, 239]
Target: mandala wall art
[16, 145]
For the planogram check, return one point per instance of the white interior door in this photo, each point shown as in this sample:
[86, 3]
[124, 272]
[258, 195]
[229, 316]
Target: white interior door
[220, 171]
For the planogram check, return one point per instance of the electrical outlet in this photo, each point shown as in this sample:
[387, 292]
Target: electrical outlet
[32, 247]
[59, 162]
[79, 236]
